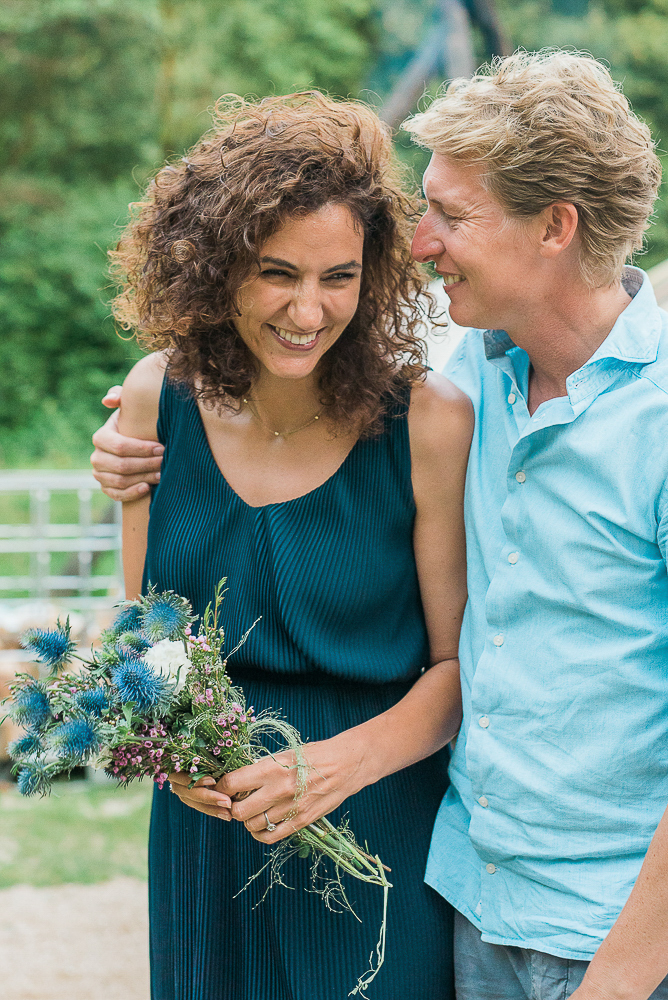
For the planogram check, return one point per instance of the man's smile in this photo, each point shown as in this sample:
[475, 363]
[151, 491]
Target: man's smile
[452, 279]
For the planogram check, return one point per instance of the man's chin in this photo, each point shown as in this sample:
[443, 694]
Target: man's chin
[468, 317]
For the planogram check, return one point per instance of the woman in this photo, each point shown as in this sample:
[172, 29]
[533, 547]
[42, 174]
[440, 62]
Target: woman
[311, 460]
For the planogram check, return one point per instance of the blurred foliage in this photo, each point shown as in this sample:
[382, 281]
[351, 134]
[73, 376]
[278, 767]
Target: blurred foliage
[83, 832]
[97, 92]
[631, 37]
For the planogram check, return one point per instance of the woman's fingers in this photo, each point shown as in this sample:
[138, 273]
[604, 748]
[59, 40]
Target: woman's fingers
[203, 796]
[274, 801]
[284, 823]
[271, 781]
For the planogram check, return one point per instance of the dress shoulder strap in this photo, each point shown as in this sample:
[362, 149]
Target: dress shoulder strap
[174, 400]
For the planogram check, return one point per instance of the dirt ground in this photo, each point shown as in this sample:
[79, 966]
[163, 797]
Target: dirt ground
[74, 942]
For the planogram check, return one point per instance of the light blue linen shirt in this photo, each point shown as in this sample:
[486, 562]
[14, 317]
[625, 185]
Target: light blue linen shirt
[560, 773]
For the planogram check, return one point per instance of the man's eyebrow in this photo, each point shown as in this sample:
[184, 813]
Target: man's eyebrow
[451, 208]
[349, 265]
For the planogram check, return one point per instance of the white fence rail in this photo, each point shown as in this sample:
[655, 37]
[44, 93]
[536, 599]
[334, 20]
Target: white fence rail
[40, 539]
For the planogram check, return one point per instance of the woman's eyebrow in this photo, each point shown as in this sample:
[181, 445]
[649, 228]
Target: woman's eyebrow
[277, 260]
[349, 265]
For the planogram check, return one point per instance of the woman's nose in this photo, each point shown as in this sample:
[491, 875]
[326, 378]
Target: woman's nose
[305, 310]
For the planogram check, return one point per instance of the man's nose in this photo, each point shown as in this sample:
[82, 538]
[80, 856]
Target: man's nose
[305, 309]
[426, 245]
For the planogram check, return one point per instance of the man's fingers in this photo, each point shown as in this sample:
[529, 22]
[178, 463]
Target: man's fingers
[121, 465]
[112, 397]
[108, 440]
[133, 493]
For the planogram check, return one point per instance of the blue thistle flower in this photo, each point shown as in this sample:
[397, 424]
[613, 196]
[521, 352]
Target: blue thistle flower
[127, 620]
[51, 646]
[33, 779]
[165, 615]
[135, 681]
[93, 701]
[76, 739]
[29, 745]
[132, 644]
[31, 706]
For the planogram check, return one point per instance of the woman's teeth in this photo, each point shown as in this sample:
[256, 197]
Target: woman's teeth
[452, 279]
[296, 338]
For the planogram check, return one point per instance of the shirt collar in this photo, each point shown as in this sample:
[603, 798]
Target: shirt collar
[634, 337]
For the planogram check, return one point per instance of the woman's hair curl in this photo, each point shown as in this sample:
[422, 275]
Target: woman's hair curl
[197, 235]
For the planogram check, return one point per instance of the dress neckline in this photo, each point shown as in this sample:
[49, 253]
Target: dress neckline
[276, 503]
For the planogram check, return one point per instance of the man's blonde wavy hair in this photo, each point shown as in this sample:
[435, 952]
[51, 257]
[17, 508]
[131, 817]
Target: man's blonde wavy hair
[553, 126]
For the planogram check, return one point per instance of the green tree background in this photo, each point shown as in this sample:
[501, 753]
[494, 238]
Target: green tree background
[96, 93]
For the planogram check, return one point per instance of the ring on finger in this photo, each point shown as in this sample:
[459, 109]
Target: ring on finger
[270, 827]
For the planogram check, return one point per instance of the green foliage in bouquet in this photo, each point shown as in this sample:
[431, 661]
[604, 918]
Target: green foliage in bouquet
[157, 699]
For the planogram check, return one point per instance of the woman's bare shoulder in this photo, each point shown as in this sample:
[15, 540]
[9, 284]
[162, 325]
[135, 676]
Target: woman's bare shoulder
[140, 400]
[440, 417]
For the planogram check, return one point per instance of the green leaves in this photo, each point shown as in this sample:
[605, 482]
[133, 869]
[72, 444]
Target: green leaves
[95, 93]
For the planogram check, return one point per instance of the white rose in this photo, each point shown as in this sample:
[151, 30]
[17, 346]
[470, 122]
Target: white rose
[169, 659]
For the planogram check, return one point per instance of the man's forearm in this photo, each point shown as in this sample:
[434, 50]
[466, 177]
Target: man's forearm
[633, 959]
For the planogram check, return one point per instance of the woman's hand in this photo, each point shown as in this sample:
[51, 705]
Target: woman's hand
[123, 466]
[203, 796]
[335, 770]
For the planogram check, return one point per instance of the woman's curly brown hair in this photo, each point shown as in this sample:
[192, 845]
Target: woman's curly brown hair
[197, 235]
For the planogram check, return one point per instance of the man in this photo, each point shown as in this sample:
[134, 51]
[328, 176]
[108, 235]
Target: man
[550, 842]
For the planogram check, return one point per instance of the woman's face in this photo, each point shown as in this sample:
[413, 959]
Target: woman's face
[306, 291]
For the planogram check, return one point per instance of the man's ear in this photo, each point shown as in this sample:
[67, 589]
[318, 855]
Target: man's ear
[559, 225]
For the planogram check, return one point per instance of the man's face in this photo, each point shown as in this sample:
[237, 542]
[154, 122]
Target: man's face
[485, 257]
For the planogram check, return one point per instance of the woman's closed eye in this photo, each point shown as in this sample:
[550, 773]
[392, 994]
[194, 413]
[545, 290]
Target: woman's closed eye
[338, 277]
[341, 276]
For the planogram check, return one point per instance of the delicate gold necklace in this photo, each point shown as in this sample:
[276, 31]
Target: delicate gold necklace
[283, 434]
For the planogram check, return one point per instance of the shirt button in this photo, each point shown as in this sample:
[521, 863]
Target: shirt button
[498, 640]
[511, 398]
[520, 476]
[490, 868]
[483, 801]
[483, 721]
[513, 557]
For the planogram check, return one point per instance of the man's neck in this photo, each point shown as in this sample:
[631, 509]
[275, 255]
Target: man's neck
[560, 338]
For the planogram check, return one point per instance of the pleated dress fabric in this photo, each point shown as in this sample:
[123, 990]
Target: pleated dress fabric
[341, 638]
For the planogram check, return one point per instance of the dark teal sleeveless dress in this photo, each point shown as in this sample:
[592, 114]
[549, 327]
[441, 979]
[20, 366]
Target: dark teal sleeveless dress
[341, 638]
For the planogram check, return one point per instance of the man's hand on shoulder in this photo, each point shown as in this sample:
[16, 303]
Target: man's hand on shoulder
[126, 466]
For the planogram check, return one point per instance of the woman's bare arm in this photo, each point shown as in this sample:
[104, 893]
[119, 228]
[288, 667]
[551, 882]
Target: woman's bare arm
[138, 419]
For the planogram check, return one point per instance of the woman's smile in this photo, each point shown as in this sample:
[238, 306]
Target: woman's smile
[295, 340]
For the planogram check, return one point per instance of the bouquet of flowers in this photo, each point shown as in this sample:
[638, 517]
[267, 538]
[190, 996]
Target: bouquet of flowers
[157, 698]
